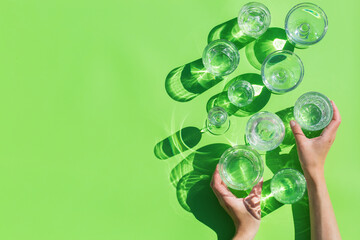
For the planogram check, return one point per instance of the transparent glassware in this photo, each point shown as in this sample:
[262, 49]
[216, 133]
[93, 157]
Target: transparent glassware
[313, 111]
[254, 19]
[288, 186]
[241, 93]
[305, 25]
[218, 121]
[241, 167]
[265, 131]
[220, 57]
[282, 71]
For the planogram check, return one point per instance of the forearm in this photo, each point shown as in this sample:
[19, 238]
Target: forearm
[322, 217]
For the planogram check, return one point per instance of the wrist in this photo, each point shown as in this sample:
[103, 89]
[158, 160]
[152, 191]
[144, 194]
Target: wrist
[314, 177]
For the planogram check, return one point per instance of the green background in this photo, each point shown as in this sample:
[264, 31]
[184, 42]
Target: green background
[82, 104]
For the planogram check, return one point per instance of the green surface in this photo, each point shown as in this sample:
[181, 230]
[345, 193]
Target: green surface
[83, 103]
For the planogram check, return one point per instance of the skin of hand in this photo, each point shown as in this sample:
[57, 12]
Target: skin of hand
[245, 212]
[312, 152]
[312, 155]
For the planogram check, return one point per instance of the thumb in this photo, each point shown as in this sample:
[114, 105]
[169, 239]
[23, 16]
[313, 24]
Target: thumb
[298, 133]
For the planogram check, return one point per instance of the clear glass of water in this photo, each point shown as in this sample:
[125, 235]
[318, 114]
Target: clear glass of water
[288, 186]
[305, 25]
[241, 93]
[265, 131]
[220, 57]
[218, 121]
[241, 167]
[313, 111]
[282, 71]
[254, 19]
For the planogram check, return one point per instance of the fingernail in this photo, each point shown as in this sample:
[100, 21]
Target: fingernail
[292, 123]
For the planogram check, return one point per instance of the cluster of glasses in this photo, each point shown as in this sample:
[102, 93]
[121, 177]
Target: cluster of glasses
[241, 167]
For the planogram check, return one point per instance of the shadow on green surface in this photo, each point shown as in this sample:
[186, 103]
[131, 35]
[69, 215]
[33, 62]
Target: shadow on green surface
[273, 39]
[192, 177]
[261, 97]
[301, 217]
[275, 160]
[190, 80]
[230, 31]
[181, 141]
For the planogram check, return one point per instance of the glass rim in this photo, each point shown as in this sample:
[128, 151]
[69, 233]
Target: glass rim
[277, 90]
[260, 5]
[249, 85]
[293, 170]
[325, 98]
[278, 119]
[244, 148]
[231, 45]
[295, 8]
[215, 108]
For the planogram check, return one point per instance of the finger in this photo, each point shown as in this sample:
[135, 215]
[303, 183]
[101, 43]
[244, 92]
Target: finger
[330, 130]
[257, 188]
[253, 201]
[298, 133]
[217, 194]
[218, 186]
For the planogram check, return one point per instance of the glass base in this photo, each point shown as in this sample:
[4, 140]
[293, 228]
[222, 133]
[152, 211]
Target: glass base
[217, 130]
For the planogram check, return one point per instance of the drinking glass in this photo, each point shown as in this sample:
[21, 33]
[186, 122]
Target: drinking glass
[313, 111]
[241, 167]
[218, 121]
[221, 57]
[288, 186]
[241, 93]
[265, 131]
[254, 19]
[282, 71]
[305, 25]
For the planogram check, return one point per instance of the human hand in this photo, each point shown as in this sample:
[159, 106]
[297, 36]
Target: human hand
[312, 152]
[245, 212]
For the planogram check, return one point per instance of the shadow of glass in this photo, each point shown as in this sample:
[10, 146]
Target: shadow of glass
[181, 141]
[192, 177]
[268, 202]
[261, 97]
[230, 31]
[286, 115]
[190, 80]
[301, 216]
[201, 162]
[275, 160]
[273, 39]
